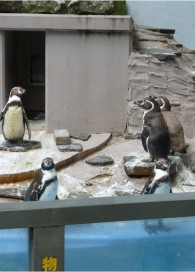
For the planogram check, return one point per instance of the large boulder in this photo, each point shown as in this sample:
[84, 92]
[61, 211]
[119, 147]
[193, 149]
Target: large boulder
[92, 7]
[51, 7]
[11, 7]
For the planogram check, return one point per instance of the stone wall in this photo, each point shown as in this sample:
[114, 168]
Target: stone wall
[158, 74]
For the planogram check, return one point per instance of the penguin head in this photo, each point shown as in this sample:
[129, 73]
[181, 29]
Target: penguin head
[47, 164]
[162, 164]
[148, 104]
[163, 102]
[18, 91]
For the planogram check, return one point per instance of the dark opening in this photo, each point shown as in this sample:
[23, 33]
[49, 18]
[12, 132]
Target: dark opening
[25, 67]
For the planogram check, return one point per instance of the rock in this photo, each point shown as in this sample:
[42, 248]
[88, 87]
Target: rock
[82, 136]
[44, 6]
[76, 147]
[132, 135]
[61, 137]
[92, 7]
[22, 146]
[134, 165]
[161, 54]
[100, 160]
[11, 7]
[193, 168]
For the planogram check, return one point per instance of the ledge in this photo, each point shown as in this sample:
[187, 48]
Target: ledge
[46, 22]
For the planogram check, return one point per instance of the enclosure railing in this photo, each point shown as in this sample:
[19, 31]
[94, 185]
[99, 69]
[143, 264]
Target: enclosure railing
[46, 221]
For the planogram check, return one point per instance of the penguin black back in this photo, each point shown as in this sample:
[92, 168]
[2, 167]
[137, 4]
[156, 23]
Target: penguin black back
[155, 132]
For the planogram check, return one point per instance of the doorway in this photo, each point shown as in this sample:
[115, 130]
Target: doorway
[25, 67]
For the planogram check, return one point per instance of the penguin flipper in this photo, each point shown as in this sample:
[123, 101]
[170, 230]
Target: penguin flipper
[146, 189]
[1, 116]
[32, 193]
[144, 135]
[27, 124]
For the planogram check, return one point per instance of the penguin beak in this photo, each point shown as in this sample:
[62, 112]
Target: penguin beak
[21, 91]
[139, 103]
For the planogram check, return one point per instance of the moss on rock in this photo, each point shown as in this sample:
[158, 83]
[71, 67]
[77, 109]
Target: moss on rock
[121, 8]
[11, 7]
[44, 6]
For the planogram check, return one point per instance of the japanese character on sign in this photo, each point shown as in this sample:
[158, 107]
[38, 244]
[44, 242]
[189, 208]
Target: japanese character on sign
[49, 264]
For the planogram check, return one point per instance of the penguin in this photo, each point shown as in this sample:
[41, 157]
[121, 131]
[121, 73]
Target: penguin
[155, 134]
[14, 117]
[145, 131]
[175, 127]
[159, 182]
[45, 184]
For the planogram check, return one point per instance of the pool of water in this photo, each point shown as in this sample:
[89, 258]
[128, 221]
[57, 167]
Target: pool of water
[140, 245]
[14, 246]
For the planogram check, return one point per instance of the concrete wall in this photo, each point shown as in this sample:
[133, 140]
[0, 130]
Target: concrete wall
[178, 15]
[2, 68]
[87, 83]
[86, 69]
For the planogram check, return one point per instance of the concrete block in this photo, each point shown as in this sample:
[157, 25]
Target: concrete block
[61, 137]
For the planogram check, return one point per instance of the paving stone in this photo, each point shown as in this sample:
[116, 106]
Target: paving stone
[76, 147]
[62, 137]
[135, 166]
[82, 136]
[100, 160]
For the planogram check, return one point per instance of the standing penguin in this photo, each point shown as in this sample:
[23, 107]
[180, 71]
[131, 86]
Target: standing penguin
[155, 134]
[175, 127]
[45, 184]
[160, 181]
[14, 118]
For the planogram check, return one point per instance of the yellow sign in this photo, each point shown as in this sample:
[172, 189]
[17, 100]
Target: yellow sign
[49, 264]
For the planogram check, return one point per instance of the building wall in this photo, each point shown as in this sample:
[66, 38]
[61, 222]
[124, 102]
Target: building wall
[86, 68]
[86, 81]
[178, 15]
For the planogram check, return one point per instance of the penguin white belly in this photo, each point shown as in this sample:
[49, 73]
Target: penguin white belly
[163, 188]
[13, 126]
[50, 192]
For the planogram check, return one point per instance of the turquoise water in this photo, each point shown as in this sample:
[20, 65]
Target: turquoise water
[141, 245]
[14, 248]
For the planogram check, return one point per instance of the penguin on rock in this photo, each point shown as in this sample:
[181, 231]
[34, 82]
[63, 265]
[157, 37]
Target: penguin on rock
[155, 134]
[45, 184]
[175, 127]
[14, 118]
[159, 182]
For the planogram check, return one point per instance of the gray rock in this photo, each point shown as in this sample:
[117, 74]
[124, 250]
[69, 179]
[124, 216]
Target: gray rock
[61, 137]
[20, 146]
[82, 136]
[100, 160]
[132, 136]
[92, 7]
[76, 147]
[44, 6]
[193, 168]
[135, 166]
